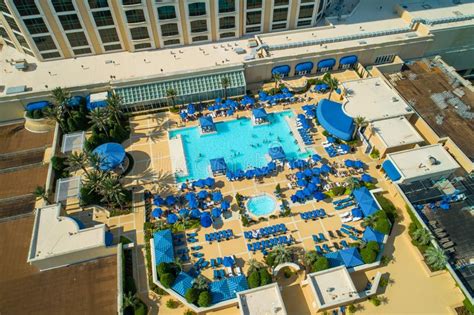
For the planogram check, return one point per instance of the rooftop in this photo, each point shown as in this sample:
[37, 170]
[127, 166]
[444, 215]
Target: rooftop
[416, 162]
[262, 300]
[55, 235]
[396, 132]
[333, 286]
[373, 99]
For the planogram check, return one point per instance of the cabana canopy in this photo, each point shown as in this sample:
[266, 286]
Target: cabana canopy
[96, 100]
[163, 243]
[111, 155]
[366, 202]
[334, 120]
[206, 122]
[304, 67]
[349, 257]
[226, 289]
[326, 63]
[182, 283]
[372, 235]
[37, 105]
[282, 70]
[276, 153]
[259, 113]
[391, 170]
[348, 60]
[75, 101]
[218, 166]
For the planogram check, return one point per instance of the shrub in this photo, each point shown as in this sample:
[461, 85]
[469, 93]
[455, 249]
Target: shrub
[265, 277]
[270, 259]
[375, 154]
[351, 309]
[373, 245]
[388, 207]
[468, 305]
[172, 303]
[326, 134]
[167, 279]
[141, 309]
[204, 299]
[375, 300]
[382, 225]
[189, 312]
[192, 295]
[254, 280]
[321, 263]
[37, 114]
[338, 190]
[368, 255]
[59, 166]
[383, 282]
[163, 268]
[245, 221]
[89, 197]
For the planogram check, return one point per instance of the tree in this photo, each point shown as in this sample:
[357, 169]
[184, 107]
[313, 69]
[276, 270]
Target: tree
[171, 95]
[163, 268]
[422, 236]
[112, 191]
[435, 258]
[94, 160]
[201, 283]
[130, 300]
[254, 280]
[55, 113]
[369, 221]
[204, 299]
[100, 119]
[277, 78]
[352, 183]
[61, 98]
[167, 279]
[40, 192]
[76, 161]
[93, 180]
[192, 295]
[254, 265]
[310, 257]
[368, 255]
[114, 107]
[265, 277]
[225, 82]
[331, 82]
[359, 122]
[320, 264]
[282, 255]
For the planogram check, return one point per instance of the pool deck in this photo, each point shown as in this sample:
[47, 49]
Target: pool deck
[178, 159]
[291, 121]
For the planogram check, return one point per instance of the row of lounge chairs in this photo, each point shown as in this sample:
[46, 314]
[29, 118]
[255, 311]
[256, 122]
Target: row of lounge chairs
[266, 231]
[313, 215]
[268, 244]
[340, 201]
[302, 126]
[334, 151]
[201, 264]
[227, 272]
[319, 238]
[326, 249]
[219, 236]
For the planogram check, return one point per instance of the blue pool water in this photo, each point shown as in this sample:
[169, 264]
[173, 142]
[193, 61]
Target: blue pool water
[261, 205]
[241, 144]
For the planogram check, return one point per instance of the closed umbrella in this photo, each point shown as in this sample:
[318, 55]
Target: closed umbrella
[172, 218]
[157, 212]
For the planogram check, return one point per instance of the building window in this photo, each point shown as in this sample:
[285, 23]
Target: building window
[199, 38]
[197, 9]
[280, 15]
[280, 2]
[28, 52]
[278, 26]
[109, 35]
[254, 4]
[199, 26]
[77, 39]
[306, 12]
[131, 2]
[70, 22]
[384, 59]
[95, 4]
[103, 18]
[4, 34]
[139, 33]
[304, 23]
[169, 29]
[82, 51]
[26, 7]
[36, 26]
[113, 47]
[226, 6]
[9, 43]
[321, 6]
[227, 22]
[253, 29]
[63, 5]
[227, 35]
[135, 16]
[12, 23]
[166, 13]
[22, 40]
[172, 42]
[3, 7]
[254, 18]
[142, 46]
[50, 55]
[44, 43]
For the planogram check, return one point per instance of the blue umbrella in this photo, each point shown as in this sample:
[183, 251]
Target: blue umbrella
[315, 180]
[249, 173]
[170, 200]
[225, 205]
[308, 172]
[366, 178]
[193, 203]
[359, 164]
[206, 220]
[183, 213]
[191, 109]
[209, 182]
[230, 112]
[110, 155]
[199, 183]
[299, 194]
[307, 192]
[325, 168]
[228, 261]
[319, 196]
[202, 194]
[195, 213]
[190, 196]
[158, 201]
[184, 186]
[172, 218]
[157, 212]
[349, 163]
[299, 175]
[183, 115]
[216, 212]
[301, 182]
[316, 157]
[216, 196]
[311, 187]
[331, 139]
[316, 171]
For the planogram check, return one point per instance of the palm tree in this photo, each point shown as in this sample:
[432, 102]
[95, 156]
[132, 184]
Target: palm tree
[333, 83]
[369, 221]
[40, 192]
[55, 113]
[282, 255]
[200, 283]
[94, 179]
[310, 257]
[76, 161]
[171, 95]
[112, 191]
[99, 119]
[94, 160]
[359, 122]
[130, 300]
[61, 97]
[422, 236]
[277, 78]
[114, 107]
[352, 183]
[435, 257]
[254, 265]
[225, 82]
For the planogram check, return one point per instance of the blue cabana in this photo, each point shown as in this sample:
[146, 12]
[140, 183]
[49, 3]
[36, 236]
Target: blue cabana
[111, 155]
[37, 105]
[348, 60]
[348, 257]
[206, 220]
[372, 235]
[326, 63]
[216, 212]
[217, 196]
[282, 70]
[207, 124]
[331, 116]
[218, 166]
[391, 170]
[259, 113]
[172, 218]
[304, 67]
[226, 289]
[157, 212]
[276, 153]
[163, 243]
[182, 283]
[366, 202]
[195, 213]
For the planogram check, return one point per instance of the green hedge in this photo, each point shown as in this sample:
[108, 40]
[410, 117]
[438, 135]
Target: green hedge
[369, 252]
[265, 277]
[204, 299]
[254, 280]
[167, 279]
[320, 264]
[192, 295]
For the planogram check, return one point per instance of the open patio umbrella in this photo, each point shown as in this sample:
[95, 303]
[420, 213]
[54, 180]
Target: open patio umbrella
[307, 172]
[158, 201]
[359, 164]
[170, 200]
[306, 192]
[349, 163]
[209, 182]
[202, 194]
[230, 112]
[319, 196]
[193, 203]
[228, 261]
[184, 186]
[183, 213]
[316, 157]
[217, 196]
[206, 220]
[316, 171]
[225, 205]
[311, 187]
[299, 175]
[199, 183]
[216, 212]
[172, 218]
[191, 109]
[157, 212]
[293, 198]
[315, 180]
[183, 115]
[250, 174]
[301, 182]
[366, 178]
[195, 213]
[190, 196]
[299, 194]
[325, 168]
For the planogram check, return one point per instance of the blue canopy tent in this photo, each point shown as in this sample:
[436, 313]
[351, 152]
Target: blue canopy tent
[195, 213]
[172, 218]
[366, 202]
[226, 289]
[331, 116]
[391, 170]
[111, 155]
[163, 243]
[372, 235]
[281, 70]
[326, 64]
[348, 60]
[207, 124]
[157, 212]
[348, 257]
[217, 196]
[216, 212]
[218, 166]
[37, 105]
[276, 153]
[259, 114]
[304, 67]
[206, 220]
[182, 283]
[357, 213]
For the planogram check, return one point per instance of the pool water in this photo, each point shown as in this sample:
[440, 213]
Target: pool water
[261, 205]
[241, 144]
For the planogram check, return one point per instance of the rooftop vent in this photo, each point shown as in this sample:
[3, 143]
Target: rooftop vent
[433, 160]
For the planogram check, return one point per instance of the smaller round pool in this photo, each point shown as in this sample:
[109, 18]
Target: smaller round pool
[261, 205]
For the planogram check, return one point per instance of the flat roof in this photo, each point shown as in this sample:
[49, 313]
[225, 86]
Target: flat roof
[373, 99]
[262, 300]
[395, 132]
[54, 234]
[416, 162]
[333, 286]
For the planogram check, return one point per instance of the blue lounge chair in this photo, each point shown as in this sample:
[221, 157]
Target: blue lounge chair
[198, 255]
[319, 250]
[352, 237]
[205, 264]
[249, 247]
[194, 234]
[326, 247]
[216, 274]
[315, 238]
[213, 263]
[198, 247]
[344, 244]
[219, 261]
[322, 238]
[208, 238]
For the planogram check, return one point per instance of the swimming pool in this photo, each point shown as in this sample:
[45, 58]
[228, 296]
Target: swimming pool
[241, 144]
[262, 205]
